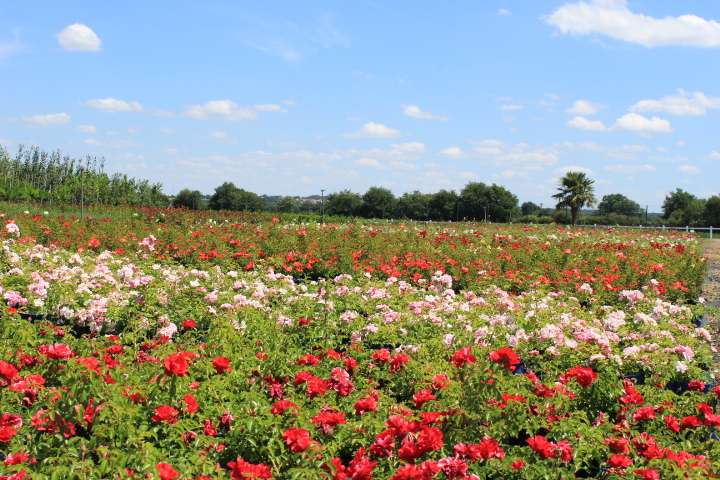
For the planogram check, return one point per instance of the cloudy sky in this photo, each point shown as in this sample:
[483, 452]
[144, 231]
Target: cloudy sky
[288, 97]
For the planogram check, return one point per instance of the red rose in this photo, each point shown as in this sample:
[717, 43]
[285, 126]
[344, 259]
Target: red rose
[7, 434]
[462, 357]
[177, 364]
[242, 470]
[619, 461]
[221, 365]
[165, 413]
[505, 356]
[56, 351]
[8, 373]
[191, 403]
[166, 471]
[281, 406]
[583, 375]
[297, 439]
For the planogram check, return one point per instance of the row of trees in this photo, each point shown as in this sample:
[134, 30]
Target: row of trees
[34, 175]
[476, 201]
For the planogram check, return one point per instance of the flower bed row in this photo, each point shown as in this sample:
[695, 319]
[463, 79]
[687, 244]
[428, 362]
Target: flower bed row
[117, 366]
[515, 258]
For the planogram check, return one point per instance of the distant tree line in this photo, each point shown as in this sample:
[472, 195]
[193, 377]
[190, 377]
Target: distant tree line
[34, 175]
[476, 201]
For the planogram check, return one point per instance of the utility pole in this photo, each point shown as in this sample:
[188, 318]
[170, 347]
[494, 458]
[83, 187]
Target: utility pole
[646, 214]
[322, 205]
[485, 208]
[82, 194]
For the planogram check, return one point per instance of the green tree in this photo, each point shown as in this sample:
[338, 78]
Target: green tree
[678, 201]
[530, 208]
[186, 198]
[476, 197]
[575, 191]
[618, 203]
[711, 215]
[415, 205]
[378, 202]
[229, 197]
[443, 205]
[288, 204]
[345, 203]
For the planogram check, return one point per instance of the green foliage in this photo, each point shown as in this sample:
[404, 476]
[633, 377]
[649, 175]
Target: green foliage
[229, 197]
[186, 198]
[378, 202]
[477, 197]
[575, 191]
[619, 204]
[34, 175]
[345, 203]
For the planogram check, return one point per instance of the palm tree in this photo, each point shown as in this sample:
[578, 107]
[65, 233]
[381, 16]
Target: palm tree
[575, 191]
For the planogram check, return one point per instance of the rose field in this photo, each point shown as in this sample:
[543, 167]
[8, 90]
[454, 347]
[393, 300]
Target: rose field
[168, 344]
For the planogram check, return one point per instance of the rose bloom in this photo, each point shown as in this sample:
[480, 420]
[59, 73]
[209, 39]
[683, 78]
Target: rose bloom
[166, 471]
[297, 439]
[619, 461]
[56, 351]
[7, 433]
[165, 413]
[221, 365]
[462, 357]
[585, 376]
[505, 356]
[242, 470]
[8, 373]
[177, 364]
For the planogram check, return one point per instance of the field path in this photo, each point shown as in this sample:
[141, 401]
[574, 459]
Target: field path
[711, 292]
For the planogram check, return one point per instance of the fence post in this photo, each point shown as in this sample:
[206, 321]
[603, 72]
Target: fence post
[711, 230]
[687, 228]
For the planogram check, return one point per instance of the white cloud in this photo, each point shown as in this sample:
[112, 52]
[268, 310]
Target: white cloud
[87, 128]
[48, 119]
[269, 107]
[614, 19]
[114, 105]
[367, 162]
[689, 169]
[583, 123]
[414, 111]
[714, 155]
[637, 123]
[504, 12]
[409, 148]
[91, 141]
[684, 103]
[519, 155]
[453, 152]
[375, 130]
[219, 135]
[229, 110]
[630, 169]
[79, 38]
[583, 108]
[572, 168]
[488, 147]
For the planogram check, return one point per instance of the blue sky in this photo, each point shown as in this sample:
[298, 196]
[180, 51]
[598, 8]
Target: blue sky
[288, 97]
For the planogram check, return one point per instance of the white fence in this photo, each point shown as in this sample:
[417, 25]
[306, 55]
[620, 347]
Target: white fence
[710, 230]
